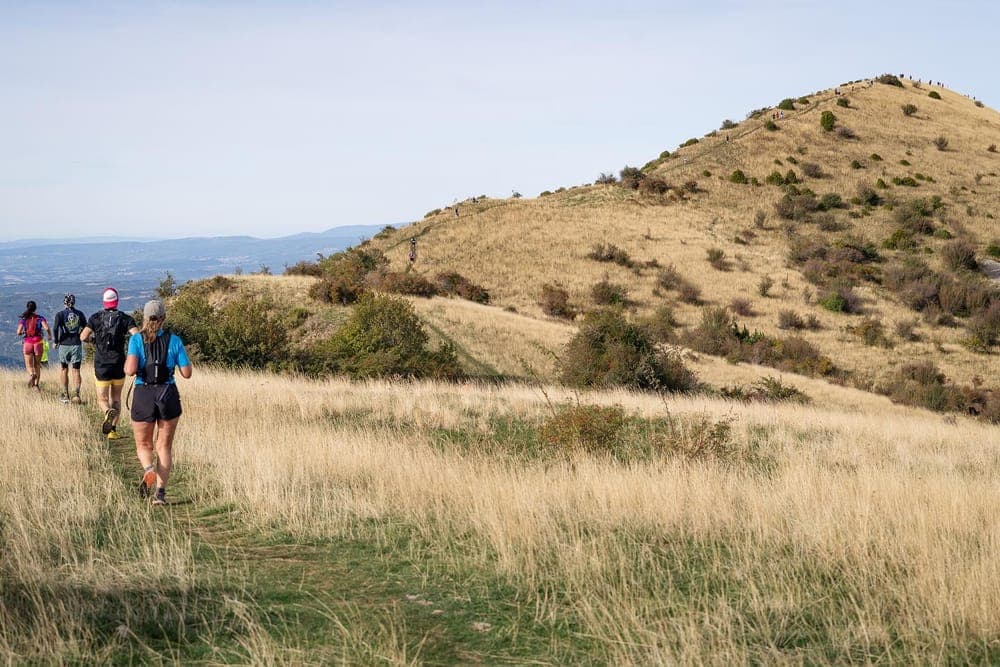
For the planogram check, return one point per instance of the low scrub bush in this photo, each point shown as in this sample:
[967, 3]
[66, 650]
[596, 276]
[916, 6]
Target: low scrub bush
[738, 177]
[689, 142]
[867, 194]
[855, 164]
[764, 285]
[846, 133]
[889, 80]
[431, 214]
[455, 284]
[829, 201]
[631, 177]
[727, 125]
[765, 390]
[304, 268]
[771, 126]
[993, 249]
[789, 319]
[787, 104]
[609, 252]
[871, 331]
[959, 255]
[661, 324]
[941, 143]
[555, 302]
[983, 328]
[742, 306]
[922, 384]
[796, 207]
[410, 283]
[934, 95]
[992, 148]
[841, 299]
[909, 109]
[607, 293]
[606, 179]
[689, 293]
[717, 258]
[843, 102]
[812, 170]
[610, 351]
[906, 329]
[653, 185]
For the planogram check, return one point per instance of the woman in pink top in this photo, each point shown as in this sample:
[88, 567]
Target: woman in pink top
[31, 325]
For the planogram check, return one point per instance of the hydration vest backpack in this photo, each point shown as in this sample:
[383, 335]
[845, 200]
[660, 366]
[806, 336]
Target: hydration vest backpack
[109, 339]
[155, 370]
[31, 326]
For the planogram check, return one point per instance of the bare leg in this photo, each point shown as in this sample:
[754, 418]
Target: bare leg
[165, 450]
[77, 381]
[29, 365]
[64, 379]
[103, 397]
[143, 432]
[116, 402]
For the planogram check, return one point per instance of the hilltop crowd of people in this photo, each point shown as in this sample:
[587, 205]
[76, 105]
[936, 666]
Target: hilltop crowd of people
[122, 349]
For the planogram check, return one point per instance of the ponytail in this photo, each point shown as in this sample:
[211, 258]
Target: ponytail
[29, 311]
[150, 329]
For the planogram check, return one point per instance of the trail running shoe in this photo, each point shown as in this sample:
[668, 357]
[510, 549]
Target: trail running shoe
[63, 398]
[160, 498]
[109, 421]
[113, 435]
[146, 484]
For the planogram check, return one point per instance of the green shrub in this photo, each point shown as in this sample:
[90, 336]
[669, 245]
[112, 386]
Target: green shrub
[922, 384]
[383, 337]
[555, 302]
[983, 328]
[432, 213]
[856, 165]
[906, 181]
[764, 285]
[909, 109]
[653, 185]
[797, 207]
[827, 120]
[771, 126]
[889, 80]
[774, 178]
[738, 177]
[830, 200]
[934, 95]
[875, 157]
[727, 124]
[881, 184]
[765, 390]
[979, 103]
[610, 351]
[787, 104]
[607, 179]
[661, 324]
[942, 233]
[304, 268]
[941, 143]
[914, 216]
[606, 293]
[843, 102]
[993, 249]
[841, 299]
[689, 142]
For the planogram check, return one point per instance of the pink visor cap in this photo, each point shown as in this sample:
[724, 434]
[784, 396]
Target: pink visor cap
[110, 298]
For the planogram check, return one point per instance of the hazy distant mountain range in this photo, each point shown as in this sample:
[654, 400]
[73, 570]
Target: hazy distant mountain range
[95, 260]
[44, 271]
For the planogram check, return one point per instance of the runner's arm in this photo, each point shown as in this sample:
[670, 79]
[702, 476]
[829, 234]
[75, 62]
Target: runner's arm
[86, 333]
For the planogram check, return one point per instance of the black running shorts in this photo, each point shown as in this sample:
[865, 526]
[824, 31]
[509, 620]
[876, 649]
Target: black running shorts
[155, 402]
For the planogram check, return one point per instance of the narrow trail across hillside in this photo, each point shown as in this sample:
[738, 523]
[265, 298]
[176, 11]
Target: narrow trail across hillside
[329, 600]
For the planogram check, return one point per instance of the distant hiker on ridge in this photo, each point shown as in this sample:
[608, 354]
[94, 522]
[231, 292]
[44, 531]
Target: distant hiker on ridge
[413, 250]
[109, 329]
[69, 325]
[153, 356]
[30, 325]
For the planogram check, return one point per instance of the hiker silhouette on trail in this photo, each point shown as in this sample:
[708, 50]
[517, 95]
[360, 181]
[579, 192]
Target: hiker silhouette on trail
[456, 211]
[31, 325]
[153, 356]
[109, 330]
[69, 324]
[413, 250]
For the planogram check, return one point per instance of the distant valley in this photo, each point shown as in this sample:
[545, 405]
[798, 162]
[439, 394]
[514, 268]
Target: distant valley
[44, 271]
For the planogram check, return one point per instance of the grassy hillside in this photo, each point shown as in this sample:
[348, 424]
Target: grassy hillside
[423, 523]
[515, 246]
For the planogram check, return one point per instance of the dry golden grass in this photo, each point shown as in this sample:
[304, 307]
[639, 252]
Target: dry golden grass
[870, 537]
[514, 246]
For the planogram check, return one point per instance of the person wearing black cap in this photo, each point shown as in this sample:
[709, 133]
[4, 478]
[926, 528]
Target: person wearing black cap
[153, 356]
[69, 324]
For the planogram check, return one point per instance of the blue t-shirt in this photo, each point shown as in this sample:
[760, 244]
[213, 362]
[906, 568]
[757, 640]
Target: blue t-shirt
[176, 354]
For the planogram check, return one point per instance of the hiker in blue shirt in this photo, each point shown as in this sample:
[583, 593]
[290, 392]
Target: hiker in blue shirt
[153, 357]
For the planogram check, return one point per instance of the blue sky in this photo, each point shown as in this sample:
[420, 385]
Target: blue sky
[168, 119]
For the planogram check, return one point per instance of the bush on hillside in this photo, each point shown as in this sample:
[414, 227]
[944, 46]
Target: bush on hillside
[846, 133]
[456, 284]
[941, 143]
[789, 319]
[827, 120]
[410, 283]
[717, 258]
[843, 102]
[771, 126]
[829, 201]
[606, 293]
[606, 179]
[689, 142]
[812, 170]
[934, 95]
[992, 148]
[555, 302]
[889, 80]
[610, 351]
[742, 306]
[653, 185]
[958, 255]
[727, 124]
[630, 177]
[867, 194]
[383, 337]
[787, 104]
[909, 109]
[738, 177]
[841, 299]
[609, 252]
[304, 268]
